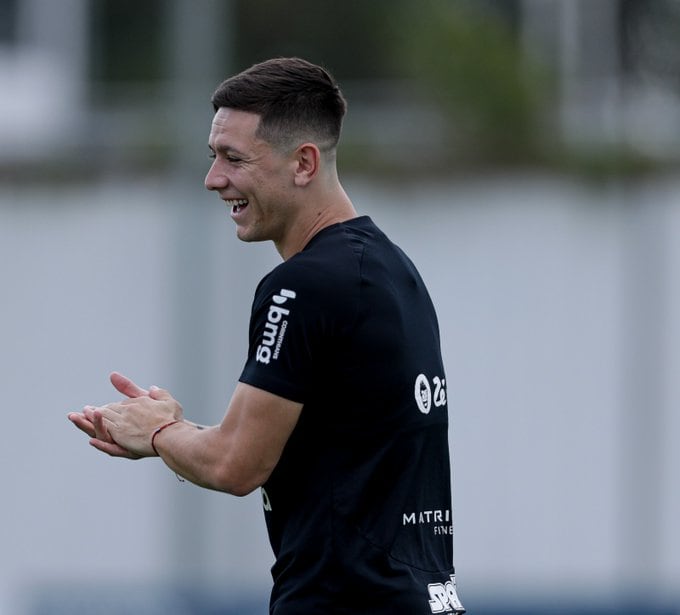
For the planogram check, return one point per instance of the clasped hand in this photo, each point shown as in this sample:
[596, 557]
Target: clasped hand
[124, 429]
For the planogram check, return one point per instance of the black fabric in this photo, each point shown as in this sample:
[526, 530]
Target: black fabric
[358, 509]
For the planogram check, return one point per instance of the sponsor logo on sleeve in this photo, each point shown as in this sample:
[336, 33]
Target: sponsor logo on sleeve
[275, 327]
[427, 394]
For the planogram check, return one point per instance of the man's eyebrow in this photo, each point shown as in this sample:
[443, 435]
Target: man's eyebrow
[225, 149]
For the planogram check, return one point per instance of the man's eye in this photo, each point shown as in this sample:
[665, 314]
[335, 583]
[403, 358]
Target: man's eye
[231, 159]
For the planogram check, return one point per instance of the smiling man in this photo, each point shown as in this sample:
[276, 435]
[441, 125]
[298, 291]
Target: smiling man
[340, 412]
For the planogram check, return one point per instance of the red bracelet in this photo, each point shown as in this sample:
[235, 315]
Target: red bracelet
[158, 430]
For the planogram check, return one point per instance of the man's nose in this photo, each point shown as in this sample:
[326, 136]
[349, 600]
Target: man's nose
[215, 180]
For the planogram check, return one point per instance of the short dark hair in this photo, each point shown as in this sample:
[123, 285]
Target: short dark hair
[295, 99]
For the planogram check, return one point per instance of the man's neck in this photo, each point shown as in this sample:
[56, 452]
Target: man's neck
[315, 220]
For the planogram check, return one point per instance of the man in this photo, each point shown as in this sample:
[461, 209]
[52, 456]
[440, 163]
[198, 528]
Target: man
[340, 413]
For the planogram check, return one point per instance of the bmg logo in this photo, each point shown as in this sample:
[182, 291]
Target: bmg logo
[443, 597]
[274, 328]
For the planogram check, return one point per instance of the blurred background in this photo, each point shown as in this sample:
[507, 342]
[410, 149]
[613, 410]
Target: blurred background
[525, 153]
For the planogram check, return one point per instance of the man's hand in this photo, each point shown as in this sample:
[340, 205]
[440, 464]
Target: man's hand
[92, 423]
[131, 423]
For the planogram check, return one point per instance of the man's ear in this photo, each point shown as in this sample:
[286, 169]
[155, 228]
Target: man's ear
[307, 161]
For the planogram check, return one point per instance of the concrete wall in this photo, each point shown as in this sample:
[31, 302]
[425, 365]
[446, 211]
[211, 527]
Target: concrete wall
[555, 300]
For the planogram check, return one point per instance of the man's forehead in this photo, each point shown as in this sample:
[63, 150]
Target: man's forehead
[234, 123]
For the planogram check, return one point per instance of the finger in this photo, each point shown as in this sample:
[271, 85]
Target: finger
[88, 412]
[126, 386]
[159, 394]
[82, 423]
[96, 417]
[108, 410]
[100, 429]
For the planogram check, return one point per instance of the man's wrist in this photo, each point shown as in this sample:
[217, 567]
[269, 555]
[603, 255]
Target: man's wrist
[158, 430]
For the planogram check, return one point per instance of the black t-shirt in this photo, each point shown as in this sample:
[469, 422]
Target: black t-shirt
[358, 508]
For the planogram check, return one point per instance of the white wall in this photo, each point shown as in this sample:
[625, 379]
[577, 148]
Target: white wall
[530, 279]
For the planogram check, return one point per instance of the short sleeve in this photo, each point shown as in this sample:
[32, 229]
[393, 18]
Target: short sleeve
[287, 332]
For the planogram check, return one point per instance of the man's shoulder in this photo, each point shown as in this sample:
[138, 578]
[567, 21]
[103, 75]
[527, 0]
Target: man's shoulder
[327, 270]
[332, 254]
[304, 276]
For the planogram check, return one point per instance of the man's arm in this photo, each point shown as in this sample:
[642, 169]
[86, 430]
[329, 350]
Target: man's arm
[236, 456]
[239, 454]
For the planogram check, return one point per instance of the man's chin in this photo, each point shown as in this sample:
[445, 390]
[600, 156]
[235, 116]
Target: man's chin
[248, 235]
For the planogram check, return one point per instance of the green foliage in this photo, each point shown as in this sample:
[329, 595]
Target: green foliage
[493, 103]
[127, 40]
[350, 37]
[471, 63]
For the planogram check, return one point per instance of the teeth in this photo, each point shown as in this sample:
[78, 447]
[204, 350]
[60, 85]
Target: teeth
[236, 202]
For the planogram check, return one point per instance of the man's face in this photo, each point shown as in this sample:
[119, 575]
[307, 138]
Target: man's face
[251, 177]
